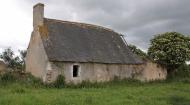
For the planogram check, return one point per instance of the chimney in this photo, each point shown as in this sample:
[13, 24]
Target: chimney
[38, 15]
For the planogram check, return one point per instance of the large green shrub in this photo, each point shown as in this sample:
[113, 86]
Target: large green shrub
[29, 79]
[59, 82]
[183, 71]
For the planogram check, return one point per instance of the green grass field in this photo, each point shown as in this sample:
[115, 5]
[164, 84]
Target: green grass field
[160, 93]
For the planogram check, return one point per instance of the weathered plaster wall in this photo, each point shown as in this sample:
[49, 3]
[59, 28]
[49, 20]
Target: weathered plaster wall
[2, 68]
[37, 62]
[36, 58]
[105, 72]
[95, 72]
[151, 72]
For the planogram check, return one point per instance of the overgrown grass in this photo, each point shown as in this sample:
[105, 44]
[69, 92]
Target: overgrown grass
[26, 80]
[31, 91]
[121, 93]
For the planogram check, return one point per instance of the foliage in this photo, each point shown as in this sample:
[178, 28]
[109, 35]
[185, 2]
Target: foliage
[88, 84]
[10, 59]
[18, 90]
[13, 61]
[183, 71]
[95, 84]
[22, 58]
[120, 93]
[28, 79]
[60, 81]
[170, 49]
[8, 77]
[182, 74]
[138, 51]
[23, 78]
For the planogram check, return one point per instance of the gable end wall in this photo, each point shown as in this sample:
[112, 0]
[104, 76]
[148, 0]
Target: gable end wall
[36, 58]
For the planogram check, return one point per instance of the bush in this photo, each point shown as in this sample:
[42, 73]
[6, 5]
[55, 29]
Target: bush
[59, 82]
[26, 79]
[8, 77]
[29, 79]
[183, 71]
[182, 74]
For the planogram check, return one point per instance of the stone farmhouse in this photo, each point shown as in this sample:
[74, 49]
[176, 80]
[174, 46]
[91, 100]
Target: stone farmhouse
[82, 52]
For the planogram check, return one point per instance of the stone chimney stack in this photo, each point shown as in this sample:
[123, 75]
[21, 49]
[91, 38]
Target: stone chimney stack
[38, 15]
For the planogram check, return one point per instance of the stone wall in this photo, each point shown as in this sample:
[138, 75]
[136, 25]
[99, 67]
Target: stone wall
[94, 72]
[151, 72]
[37, 62]
[36, 58]
[2, 68]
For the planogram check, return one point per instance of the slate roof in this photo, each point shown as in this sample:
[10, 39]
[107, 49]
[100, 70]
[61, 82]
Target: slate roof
[80, 42]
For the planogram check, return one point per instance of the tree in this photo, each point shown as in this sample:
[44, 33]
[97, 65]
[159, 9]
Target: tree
[22, 58]
[170, 49]
[13, 61]
[138, 51]
[10, 59]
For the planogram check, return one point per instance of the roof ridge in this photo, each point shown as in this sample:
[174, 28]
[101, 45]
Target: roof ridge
[82, 24]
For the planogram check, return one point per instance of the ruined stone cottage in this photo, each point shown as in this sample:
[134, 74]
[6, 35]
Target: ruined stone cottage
[80, 52]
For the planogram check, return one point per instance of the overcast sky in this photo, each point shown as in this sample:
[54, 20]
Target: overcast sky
[138, 20]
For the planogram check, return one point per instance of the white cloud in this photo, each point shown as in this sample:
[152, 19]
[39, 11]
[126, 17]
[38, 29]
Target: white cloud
[139, 20]
[15, 26]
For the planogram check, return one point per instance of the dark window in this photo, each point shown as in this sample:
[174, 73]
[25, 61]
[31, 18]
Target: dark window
[75, 70]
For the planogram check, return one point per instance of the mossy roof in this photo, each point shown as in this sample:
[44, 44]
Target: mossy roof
[79, 42]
